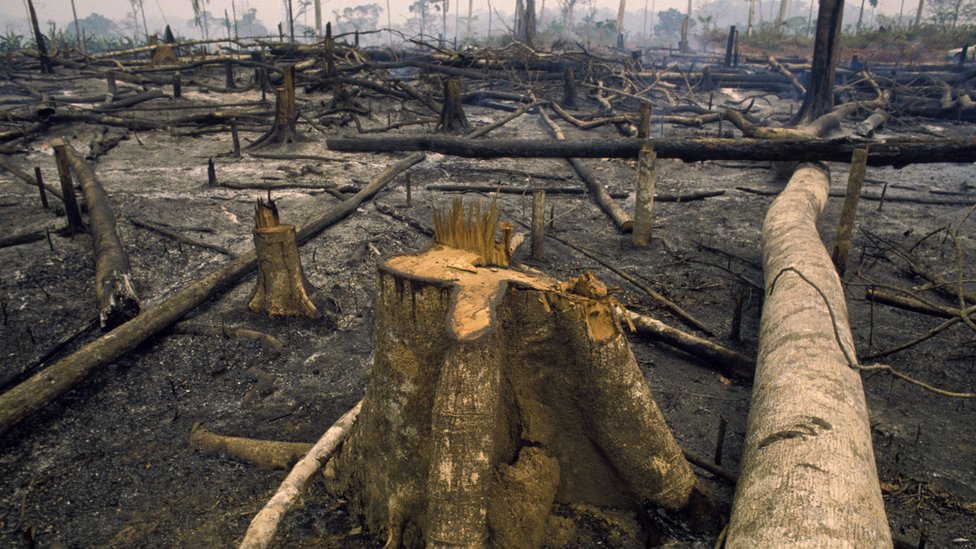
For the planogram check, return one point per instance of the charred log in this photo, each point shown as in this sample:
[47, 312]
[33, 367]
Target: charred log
[889, 153]
[114, 288]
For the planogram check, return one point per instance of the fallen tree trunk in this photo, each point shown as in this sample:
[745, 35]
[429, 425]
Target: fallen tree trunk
[723, 359]
[910, 303]
[889, 153]
[45, 386]
[527, 191]
[267, 454]
[620, 218]
[117, 299]
[261, 531]
[808, 476]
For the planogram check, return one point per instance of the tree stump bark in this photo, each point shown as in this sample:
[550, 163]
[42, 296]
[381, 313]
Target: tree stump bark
[529, 395]
[280, 289]
[452, 119]
[286, 115]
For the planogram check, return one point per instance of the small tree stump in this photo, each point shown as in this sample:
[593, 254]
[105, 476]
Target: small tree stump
[286, 115]
[280, 289]
[529, 395]
[569, 88]
[452, 118]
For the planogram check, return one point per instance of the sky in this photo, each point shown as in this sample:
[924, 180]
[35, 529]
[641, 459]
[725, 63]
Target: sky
[270, 12]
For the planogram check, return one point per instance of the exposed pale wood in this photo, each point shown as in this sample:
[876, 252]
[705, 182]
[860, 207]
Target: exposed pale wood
[261, 531]
[808, 477]
[280, 286]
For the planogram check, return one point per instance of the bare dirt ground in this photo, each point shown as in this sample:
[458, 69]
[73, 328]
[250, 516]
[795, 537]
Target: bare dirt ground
[108, 464]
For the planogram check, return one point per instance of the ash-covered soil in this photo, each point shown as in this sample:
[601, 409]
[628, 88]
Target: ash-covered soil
[108, 464]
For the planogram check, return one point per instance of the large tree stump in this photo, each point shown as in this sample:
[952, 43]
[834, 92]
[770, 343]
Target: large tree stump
[280, 289]
[529, 395]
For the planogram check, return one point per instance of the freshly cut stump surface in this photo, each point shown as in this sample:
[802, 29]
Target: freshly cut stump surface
[496, 392]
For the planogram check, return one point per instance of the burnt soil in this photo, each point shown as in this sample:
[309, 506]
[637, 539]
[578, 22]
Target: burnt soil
[108, 464]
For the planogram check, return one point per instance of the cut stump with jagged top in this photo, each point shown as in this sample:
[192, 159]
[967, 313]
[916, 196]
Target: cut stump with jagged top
[495, 394]
[281, 286]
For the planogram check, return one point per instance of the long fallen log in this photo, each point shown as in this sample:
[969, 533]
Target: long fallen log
[723, 359]
[888, 153]
[116, 295]
[45, 386]
[620, 217]
[503, 189]
[808, 476]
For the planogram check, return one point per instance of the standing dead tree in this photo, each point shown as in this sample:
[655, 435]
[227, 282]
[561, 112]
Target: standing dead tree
[826, 50]
[468, 432]
[452, 118]
[284, 129]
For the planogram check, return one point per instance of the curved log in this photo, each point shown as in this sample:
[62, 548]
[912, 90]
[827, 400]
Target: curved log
[808, 476]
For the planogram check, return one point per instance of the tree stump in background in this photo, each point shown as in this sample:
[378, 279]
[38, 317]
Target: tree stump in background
[452, 119]
[286, 114]
[280, 289]
[529, 396]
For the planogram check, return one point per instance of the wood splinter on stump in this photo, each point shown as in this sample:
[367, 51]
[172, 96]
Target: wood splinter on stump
[280, 289]
[530, 397]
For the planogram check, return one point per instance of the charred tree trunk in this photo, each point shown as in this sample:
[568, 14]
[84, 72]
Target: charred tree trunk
[280, 288]
[71, 209]
[525, 30]
[569, 88]
[117, 299]
[286, 116]
[46, 66]
[330, 67]
[448, 409]
[801, 146]
[808, 476]
[819, 98]
[452, 118]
